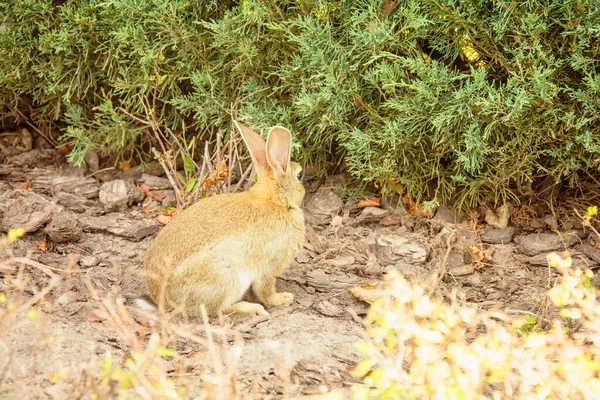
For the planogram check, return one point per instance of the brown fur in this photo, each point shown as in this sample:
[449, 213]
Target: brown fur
[223, 245]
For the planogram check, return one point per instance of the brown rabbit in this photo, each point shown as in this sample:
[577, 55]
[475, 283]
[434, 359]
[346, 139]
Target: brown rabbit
[221, 246]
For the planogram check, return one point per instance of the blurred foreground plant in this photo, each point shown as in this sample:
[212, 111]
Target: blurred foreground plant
[420, 348]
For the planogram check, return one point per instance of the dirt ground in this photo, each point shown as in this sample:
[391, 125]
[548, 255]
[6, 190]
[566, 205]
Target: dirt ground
[89, 230]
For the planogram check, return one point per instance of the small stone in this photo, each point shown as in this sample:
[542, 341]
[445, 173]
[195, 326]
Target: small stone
[371, 214]
[551, 221]
[113, 195]
[392, 219]
[68, 298]
[504, 257]
[63, 230]
[475, 280]
[71, 201]
[118, 194]
[341, 261]
[462, 270]
[537, 243]
[444, 214]
[70, 169]
[88, 261]
[306, 301]
[83, 187]
[155, 183]
[302, 258]
[395, 247]
[455, 259]
[328, 309]
[310, 290]
[498, 236]
[325, 202]
[537, 223]
[337, 221]
[372, 268]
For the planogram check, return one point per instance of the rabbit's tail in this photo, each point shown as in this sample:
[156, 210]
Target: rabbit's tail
[144, 302]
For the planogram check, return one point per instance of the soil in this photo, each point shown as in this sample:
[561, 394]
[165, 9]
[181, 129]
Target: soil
[89, 230]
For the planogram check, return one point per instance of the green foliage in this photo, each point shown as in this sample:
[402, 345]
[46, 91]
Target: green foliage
[438, 96]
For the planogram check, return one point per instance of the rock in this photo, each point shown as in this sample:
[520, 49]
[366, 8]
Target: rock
[70, 169]
[113, 195]
[539, 260]
[341, 261]
[82, 187]
[63, 229]
[395, 247]
[444, 214]
[325, 203]
[29, 212]
[455, 259]
[392, 219]
[475, 280]
[537, 243]
[302, 258]
[33, 158]
[498, 236]
[328, 309]
[551, 221]
[323, 282]
[132, 230]
[504, 256]
[170, 199]
[462, 270]
[372, 268]
[155, 183]
[71, 201]
[537, 223]
[591, 252]
[118, 194]
[370, 214]
[92, 160]
[88, 261]
[68, 298]
[337, 221]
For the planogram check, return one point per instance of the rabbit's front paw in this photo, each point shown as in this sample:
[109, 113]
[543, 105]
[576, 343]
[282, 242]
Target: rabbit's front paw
[280, 299]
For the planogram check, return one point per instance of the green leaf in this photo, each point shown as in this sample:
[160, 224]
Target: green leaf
[190, 185]
[181, 178]
[188, 164]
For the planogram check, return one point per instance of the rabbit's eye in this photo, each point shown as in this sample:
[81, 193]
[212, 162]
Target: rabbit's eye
[299, 176]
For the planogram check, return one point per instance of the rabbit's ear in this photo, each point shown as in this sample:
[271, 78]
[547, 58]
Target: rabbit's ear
[279, 147]
[256, 145]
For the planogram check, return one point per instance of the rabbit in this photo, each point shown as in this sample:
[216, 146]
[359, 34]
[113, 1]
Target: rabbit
[222, 246]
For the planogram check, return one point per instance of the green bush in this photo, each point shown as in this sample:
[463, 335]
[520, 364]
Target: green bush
[439, 95]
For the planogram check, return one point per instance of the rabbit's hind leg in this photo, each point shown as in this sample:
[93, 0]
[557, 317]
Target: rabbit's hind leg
[247, 308]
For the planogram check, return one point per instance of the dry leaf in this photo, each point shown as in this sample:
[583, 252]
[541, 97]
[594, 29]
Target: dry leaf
[393, 187]
[222, 171]
[388, 7]
[125, 165]
[42, 245]
[219, 174]
[147, 210]
[414, 209]
[164, 219]
[25, 185]
[173, 212]
[372, 202]
[368, 293]
[477, 254]
[151, 194]
[63, 149]
[597, 244]
[498, 219]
